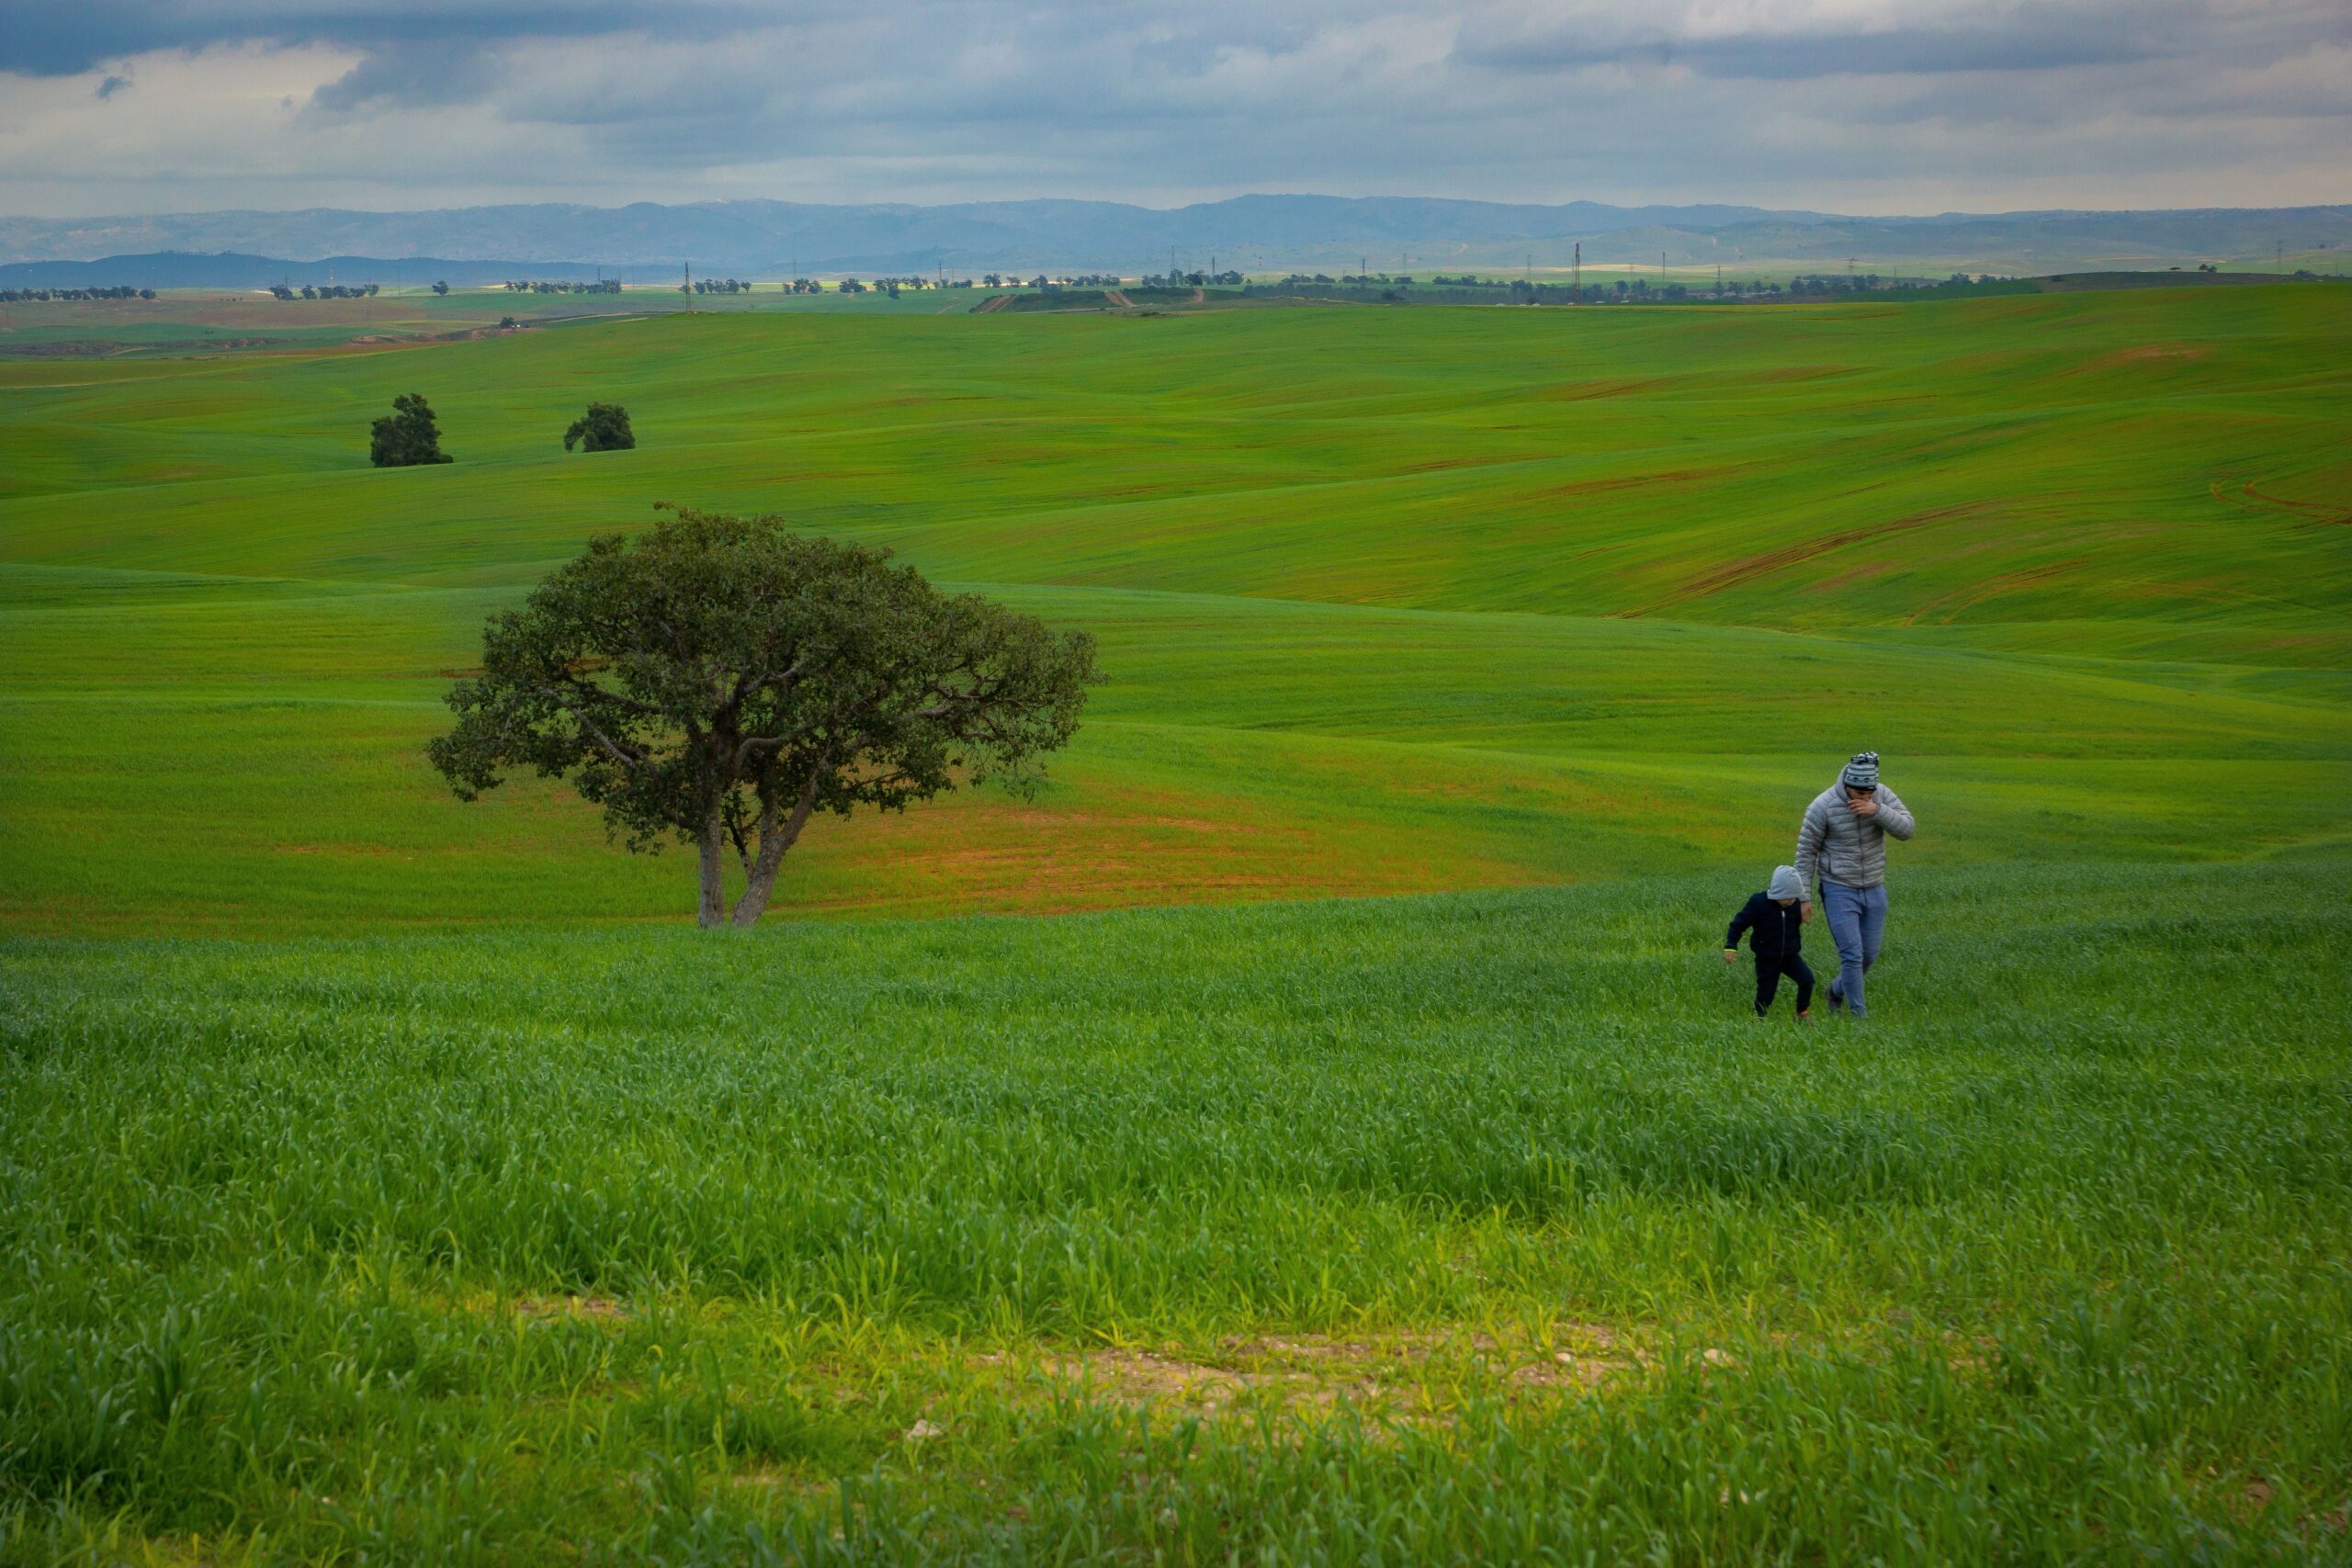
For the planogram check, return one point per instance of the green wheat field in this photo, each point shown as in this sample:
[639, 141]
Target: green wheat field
[1319, 1127]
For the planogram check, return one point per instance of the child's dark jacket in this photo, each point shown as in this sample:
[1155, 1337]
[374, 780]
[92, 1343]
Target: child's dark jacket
[1773, 931]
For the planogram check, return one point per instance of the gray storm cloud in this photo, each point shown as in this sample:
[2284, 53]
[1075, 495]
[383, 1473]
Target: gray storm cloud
[2101, 102]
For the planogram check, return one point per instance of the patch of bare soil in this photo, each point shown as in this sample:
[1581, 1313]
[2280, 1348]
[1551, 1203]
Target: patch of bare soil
[598, 1309]
[1406, 1377]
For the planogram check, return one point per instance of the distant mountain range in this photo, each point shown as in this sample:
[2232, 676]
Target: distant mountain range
[1388, 234]
[230, 269]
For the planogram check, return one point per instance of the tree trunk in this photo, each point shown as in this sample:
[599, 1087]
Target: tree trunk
[714, 870]
[774, 839]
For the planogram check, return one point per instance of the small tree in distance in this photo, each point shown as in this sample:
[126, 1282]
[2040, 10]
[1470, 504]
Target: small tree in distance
[440, 288]
[722, 679]
[604, 428]
[407, 436]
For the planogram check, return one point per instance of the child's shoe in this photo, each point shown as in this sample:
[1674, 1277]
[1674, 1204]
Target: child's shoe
[1805, 1017]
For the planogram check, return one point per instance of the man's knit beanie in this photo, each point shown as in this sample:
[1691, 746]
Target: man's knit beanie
[1862, 772]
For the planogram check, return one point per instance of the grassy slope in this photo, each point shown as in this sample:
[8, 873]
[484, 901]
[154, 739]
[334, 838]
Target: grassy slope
[1480, 1224]
[2067, 557]
[1493, 1208]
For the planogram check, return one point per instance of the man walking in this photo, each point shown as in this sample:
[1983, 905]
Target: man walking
[1842, 845]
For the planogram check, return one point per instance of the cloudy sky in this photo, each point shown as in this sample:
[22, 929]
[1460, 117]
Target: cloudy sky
[1856, 105]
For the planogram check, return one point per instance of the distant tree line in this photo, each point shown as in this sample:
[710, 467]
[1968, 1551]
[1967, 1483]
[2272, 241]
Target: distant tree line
[1044, 282]
[72, 296]
[915, 282]
[522, 286]
[324, 291]
[1470, 288]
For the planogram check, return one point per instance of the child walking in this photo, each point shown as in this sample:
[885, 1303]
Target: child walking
[1774, 921]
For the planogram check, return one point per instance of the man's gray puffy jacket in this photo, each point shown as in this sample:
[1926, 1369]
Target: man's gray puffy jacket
[1836, 845]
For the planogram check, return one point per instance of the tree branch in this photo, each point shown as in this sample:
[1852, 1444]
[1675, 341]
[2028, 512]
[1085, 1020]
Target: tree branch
[588, 726]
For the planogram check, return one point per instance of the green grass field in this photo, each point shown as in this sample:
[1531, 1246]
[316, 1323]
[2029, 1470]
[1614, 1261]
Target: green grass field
[1390, 602]
[394, 1180]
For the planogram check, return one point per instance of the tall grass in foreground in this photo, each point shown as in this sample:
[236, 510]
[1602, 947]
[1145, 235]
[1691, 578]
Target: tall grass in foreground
[1476, 1225]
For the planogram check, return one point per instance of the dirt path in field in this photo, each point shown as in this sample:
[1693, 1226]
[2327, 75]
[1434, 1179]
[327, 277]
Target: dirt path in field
[993, 303]
[1118, 298]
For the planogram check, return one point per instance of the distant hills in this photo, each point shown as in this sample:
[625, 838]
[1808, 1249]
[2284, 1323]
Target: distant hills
[647, 240]
[228, 269]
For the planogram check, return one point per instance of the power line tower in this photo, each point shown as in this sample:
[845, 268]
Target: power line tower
[1576, 290]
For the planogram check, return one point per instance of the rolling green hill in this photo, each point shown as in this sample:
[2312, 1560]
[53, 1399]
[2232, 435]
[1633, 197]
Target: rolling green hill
[388, 1179]
[1391, 601]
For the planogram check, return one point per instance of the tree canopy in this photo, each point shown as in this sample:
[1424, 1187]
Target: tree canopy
[407, 435]
[604, 428]
[721, 680]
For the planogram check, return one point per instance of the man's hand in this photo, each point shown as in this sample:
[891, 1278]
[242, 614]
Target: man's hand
[1863, 805]
[1731, 955]
[1805, 913]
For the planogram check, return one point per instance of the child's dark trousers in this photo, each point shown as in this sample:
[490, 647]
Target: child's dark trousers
[1768, 970]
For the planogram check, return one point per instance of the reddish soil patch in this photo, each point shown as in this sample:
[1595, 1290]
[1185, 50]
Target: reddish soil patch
[1748, 568]
[1635, 481]
[1950, 604]
[1578, 392]
[2315, 510]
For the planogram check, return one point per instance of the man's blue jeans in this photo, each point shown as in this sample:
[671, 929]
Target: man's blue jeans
[1856, 918]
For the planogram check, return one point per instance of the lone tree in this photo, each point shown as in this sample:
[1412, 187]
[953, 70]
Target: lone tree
[604, 428]
[722, 679]
[407, 435]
